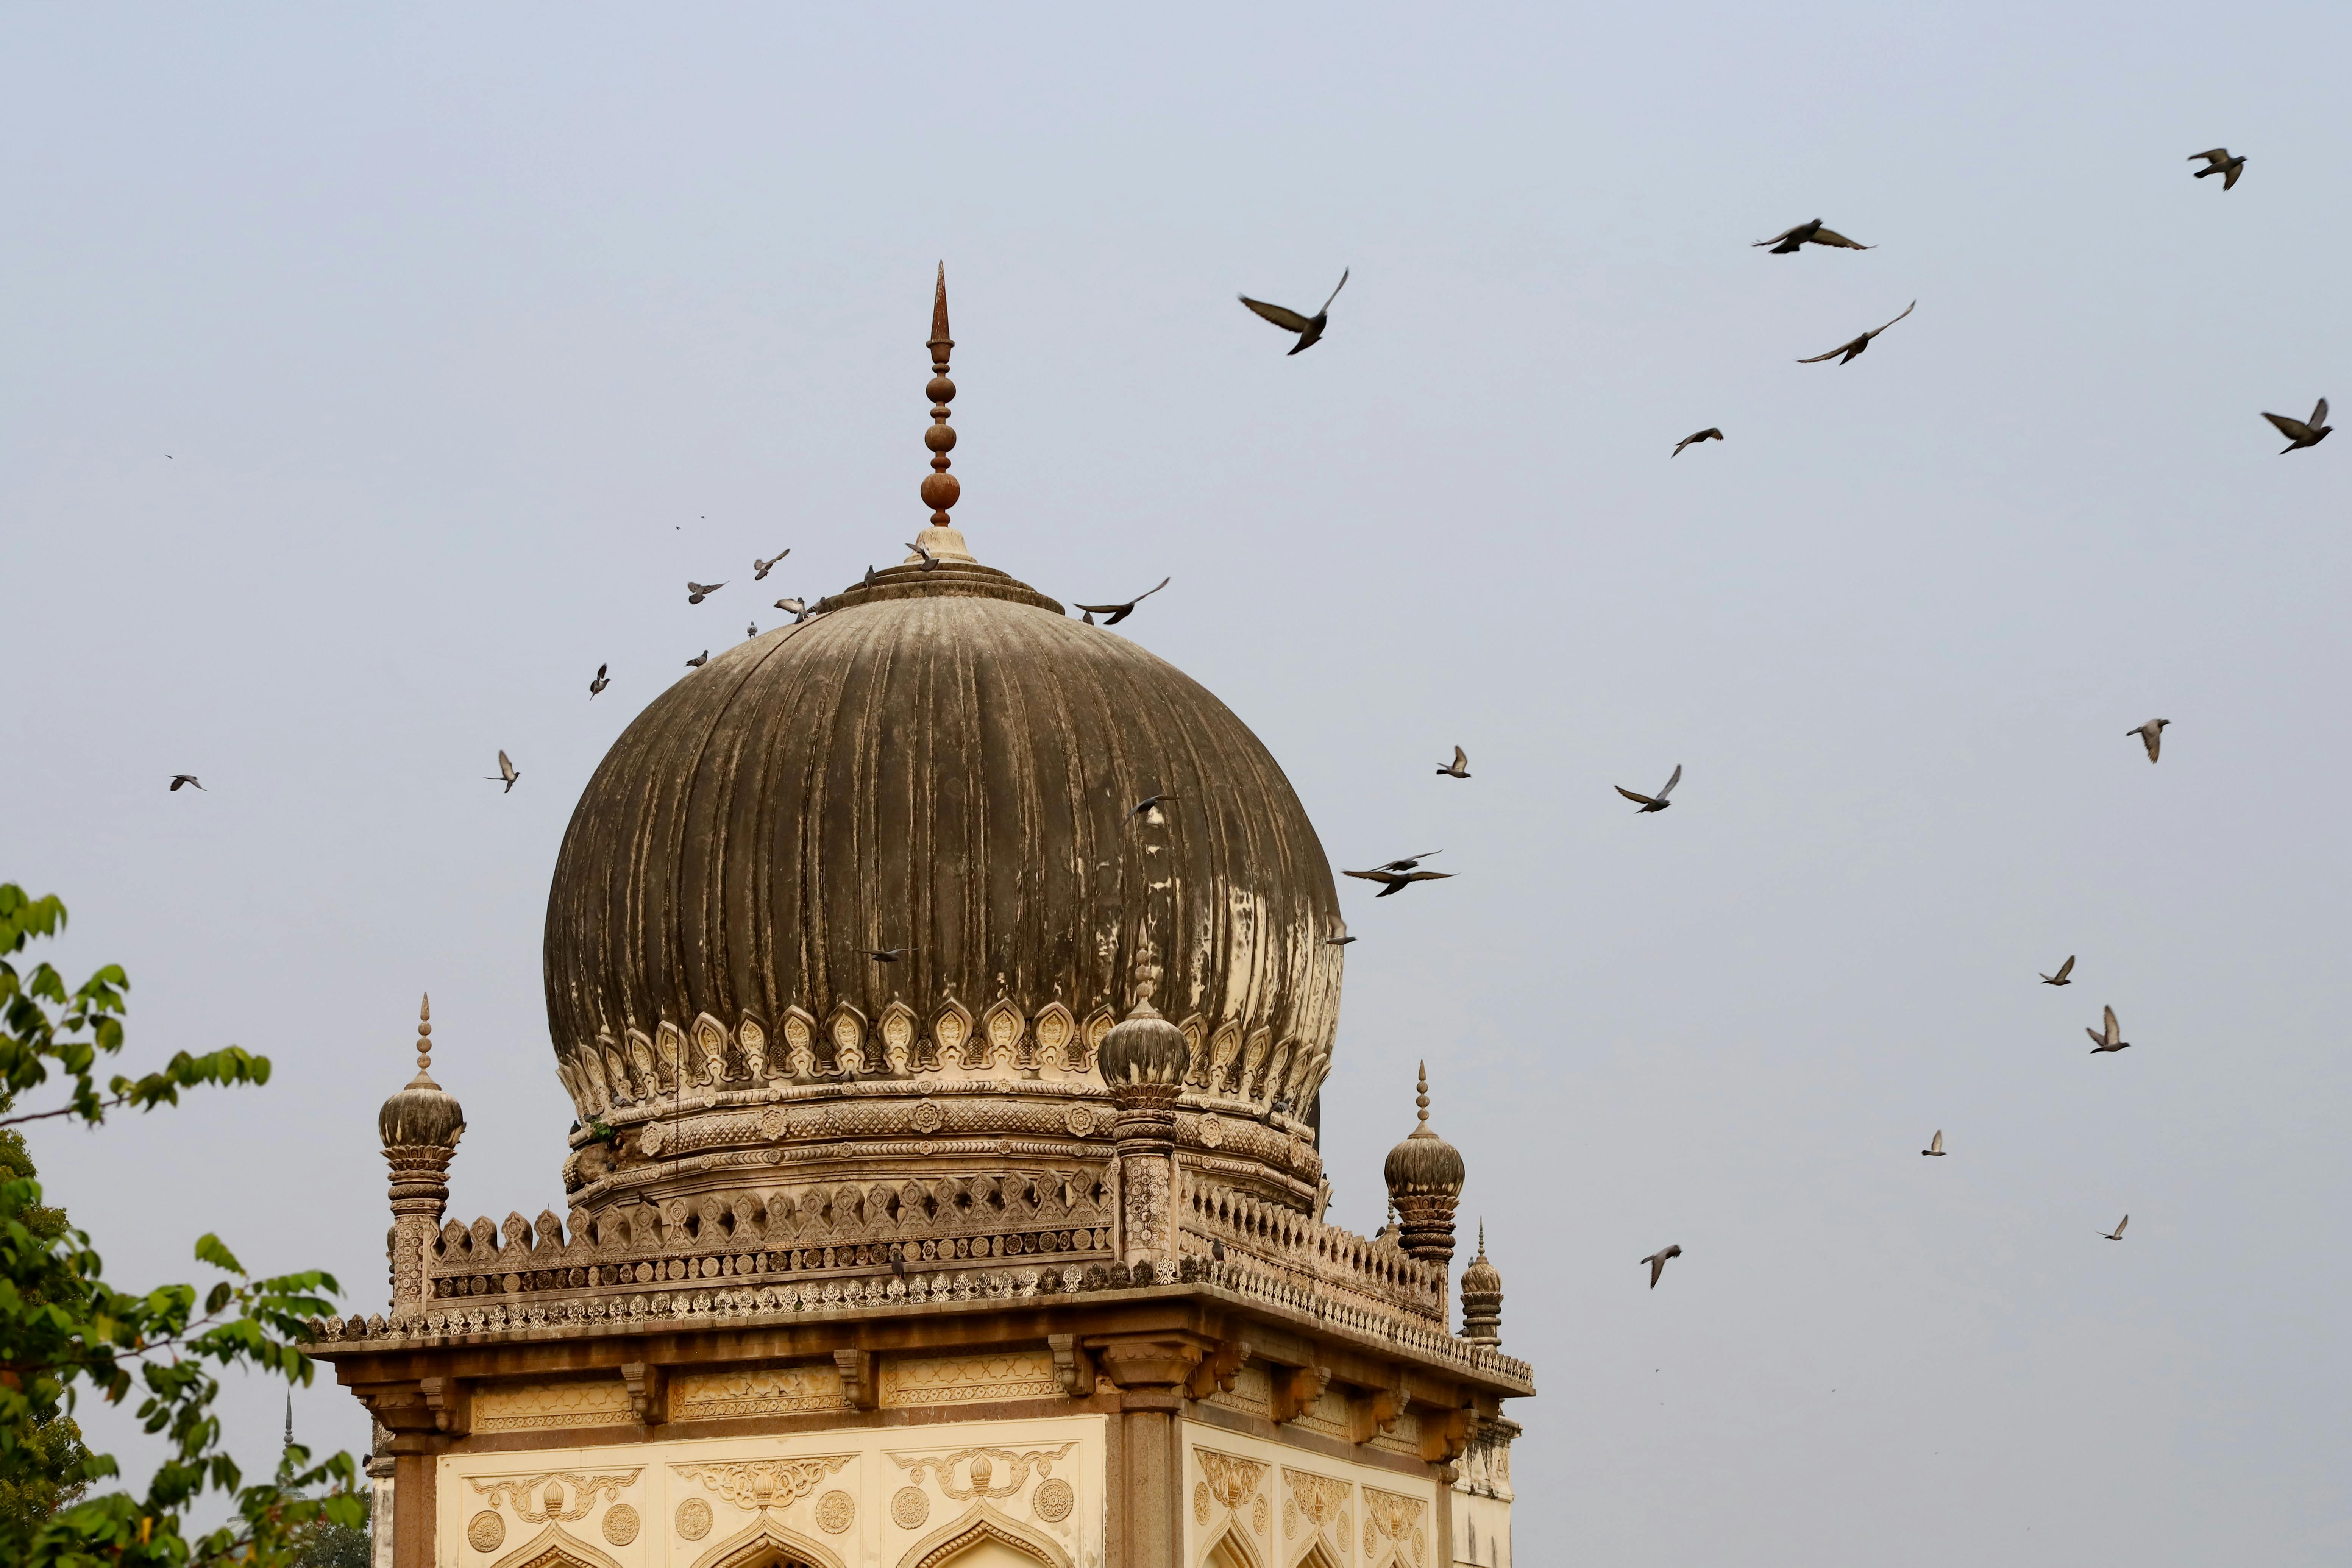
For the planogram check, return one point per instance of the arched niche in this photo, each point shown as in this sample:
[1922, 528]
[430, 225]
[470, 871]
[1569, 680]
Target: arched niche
[983, 1538]
[1316, 1555]
[1231, 1550]
[766, 1544]
[555, 1547]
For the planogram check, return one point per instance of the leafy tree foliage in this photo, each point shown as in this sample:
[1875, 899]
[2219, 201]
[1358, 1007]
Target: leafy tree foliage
[65, 1332]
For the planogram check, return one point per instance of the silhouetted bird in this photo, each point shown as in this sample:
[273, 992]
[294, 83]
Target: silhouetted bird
[2151, 735]
[1935, 1148]
[1340, 940]
[599, 683]
[799, 608]
[2112, 1040]
[760, 568]
[698, 660]
[888, 954]
[1860, 344]
[1460, 767]
[178, 779]
[1308, 328]
[930, 559]
[2301, 433]
[2117, 1234]
[2218, 160]
[1410, 862]
[1396, 881]
[697, 591]
[506, 772]
[1709, 434]
[2064, 970]
[1787, 241]
[1657, 1262]
[1657, 802]
[1149, 808]
[1117, 612]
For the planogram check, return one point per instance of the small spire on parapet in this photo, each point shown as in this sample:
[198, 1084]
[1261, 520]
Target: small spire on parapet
[940, 489]
[424, 1034]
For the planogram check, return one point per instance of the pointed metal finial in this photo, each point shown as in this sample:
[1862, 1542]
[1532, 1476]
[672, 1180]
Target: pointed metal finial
[942, 490]
[424, 1033]
[1420, 1096]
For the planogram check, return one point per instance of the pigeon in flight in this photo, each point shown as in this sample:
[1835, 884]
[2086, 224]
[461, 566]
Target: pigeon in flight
[1657, 802]
[1709, 434]
[178, 779]
[1935, 1149]
[1410, 862]
[1308, 328]
[1460, 766]
[1338, 938]
[1860, 344]
[2302, 433]
[1393, 881]
[930, 559]
[1657, 1262]
[2064, 970]
[698, 660]
[888, 955]
[1117, 612]
[1789, 240]
[2112, 1040]
[798, 608]
[2218, 160]
[506, 772]
[760, 568]
[2117, 1234]
[697, 591]
[1149, 808]
[2151, 735]
[599, 683]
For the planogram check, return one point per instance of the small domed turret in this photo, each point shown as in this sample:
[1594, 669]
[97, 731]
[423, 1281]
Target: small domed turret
[421, 1126]
[1482, 1298]
[423, 1113]
[1144, 1047]
[1425, 1176]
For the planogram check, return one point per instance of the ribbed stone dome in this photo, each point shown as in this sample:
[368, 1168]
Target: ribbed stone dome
[940, 760]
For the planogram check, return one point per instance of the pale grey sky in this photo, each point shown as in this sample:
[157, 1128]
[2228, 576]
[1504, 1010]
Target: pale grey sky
[470, 336]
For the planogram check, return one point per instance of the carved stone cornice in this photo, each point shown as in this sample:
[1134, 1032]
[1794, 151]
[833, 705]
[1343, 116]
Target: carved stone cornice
[764, 1483]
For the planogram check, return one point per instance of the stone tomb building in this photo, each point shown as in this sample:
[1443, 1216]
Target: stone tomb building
[1005, 1249]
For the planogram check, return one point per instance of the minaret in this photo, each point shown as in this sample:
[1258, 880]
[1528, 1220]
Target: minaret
[1482, 1298]
[420, 1126]
[1143, 1060]
[942, 488]
[1425, 1175]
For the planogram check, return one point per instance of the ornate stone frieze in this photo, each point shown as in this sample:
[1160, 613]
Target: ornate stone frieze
[760, 1391]
[764, 1483]
[1312, 1503]
[1397, 1523]
[912, 1381]
[530, 1407]
[1231, 1480]
[991, 1473]
[558, 1495]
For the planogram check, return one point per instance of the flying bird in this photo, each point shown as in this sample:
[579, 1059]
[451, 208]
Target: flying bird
[1709, 434]
[1459, 768]
[2112, 1040]
[2117, 1234]
[2151, 735]
[698, 660]
[1860, 344]
[1117, 612]
[2064, 970]
[1410, 862]
[506, 772]
[1308, 328]
[798, 607]
[1657, 802]
[1151, 805]
[760, 568]
[599, 683]
[1935, 1149]
[178, 779]
[1787, 241]
[1338, 939]
[2301, 433]
[888, 954]
[2218, 160]
[697, 591]
[1657, 1262]
[930, 559]
[1392, 882]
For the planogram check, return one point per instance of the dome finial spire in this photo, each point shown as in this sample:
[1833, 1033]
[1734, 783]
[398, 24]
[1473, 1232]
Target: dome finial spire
[942, 488]
[424, 1033]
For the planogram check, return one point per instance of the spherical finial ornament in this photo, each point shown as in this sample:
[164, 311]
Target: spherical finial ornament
[422, 1113]
[424, 1032]
[1425, 1176]
[940, 488]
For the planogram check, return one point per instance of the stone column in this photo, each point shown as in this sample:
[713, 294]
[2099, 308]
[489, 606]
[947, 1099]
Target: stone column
[1146, 1140]
[1148, 1486]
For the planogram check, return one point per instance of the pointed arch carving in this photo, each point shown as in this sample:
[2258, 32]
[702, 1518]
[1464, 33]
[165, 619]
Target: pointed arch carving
[981, 1522]
[897, 1029]
[800, 1043]
[1316, 1555]
[1233, 1545]
[764, 1544]
[555, 1547]
[1053, 1033]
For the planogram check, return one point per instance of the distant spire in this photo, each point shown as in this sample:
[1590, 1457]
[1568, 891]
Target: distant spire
[1420, 1096]
[424, 1053]
[942, 490]
[289, 1421]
